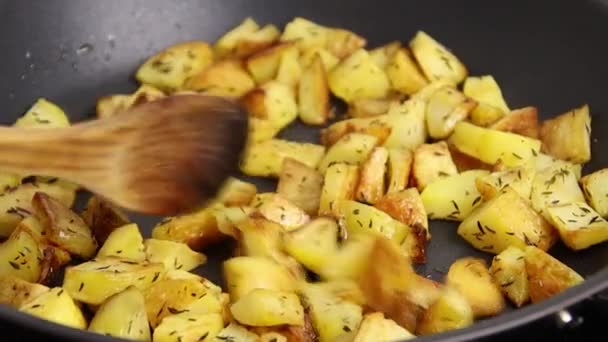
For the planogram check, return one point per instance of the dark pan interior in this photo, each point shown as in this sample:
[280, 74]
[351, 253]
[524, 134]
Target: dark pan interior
[551, 54]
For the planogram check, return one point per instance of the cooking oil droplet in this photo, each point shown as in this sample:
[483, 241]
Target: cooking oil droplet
[28, 55]
[84, 49]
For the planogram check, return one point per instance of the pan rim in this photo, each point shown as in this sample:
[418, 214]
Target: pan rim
[480, 329]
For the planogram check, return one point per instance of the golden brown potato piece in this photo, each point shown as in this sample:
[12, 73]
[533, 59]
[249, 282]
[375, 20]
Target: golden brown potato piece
[547, 276]
[64, 227]
[573, 127]
[290, 70]
[236, 192]
[280, 210]
[53, 261]
[103, 217]
[364, 108]
[236, 332]
[16, 292]
[342, 43]
[274, 101]
[579, 226]
[313, 94]
[491, 104]
[340, 183]
[227, 43]
[265, 158]
[450, 312]
[383, 55]
[445, 108]
[224, 78]
[508, 270]
[436, 61]
[399, 166]
[470, 277]
[174, 255]
[197, 230]
[124, 242]
[305, 33]
[265, 307]
[465, 162]
[555, 185]
[245, 273]
[406, 206]
[250, 43]
[358, 77]
[264, 65]
[301, 185]
[308, 55]
[372, 181]
[353, 148]
[404, 74]
[375, 327]
[595, 187]
[173, 296]
[189, 327]
[111, 105]
[360, 218]
[390, 285]
[488, 229]
[378, 126]
[432, 162]
[56, 306]
[522, 121]
[168, 69]
[519, 179]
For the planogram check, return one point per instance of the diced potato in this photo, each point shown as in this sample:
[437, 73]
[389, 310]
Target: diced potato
[362, 219]
[229, 217]
[274, 101]
[243, 274]
[264, 65]
[508, 270]
[174, 255]
[331, 316]
[171, 296]
[227, 43]
[522, 121]
[103, 217]
[595, 187]
[465, 162]
[375, 327]
[264, 308]
[235, 332]
[253, 42]
[470, 277]
[353, 148]
[168, 69]
[547, 276]
[487, 228]
[187, 327]
[399, 167]
[358, 77]
[340, 183]
[123, 316]
[486, 92]
[390, 285]
[453, 197]
[573, 127]
[450, 312]
[426, 92]
[378, 127]
[290, 70]
[63, 226]
[364, 108]
[111, 105]
[236, 192]
[224, 78]
[350, 260]
[313, 94]
[519, 179]
[280, 210]
[404, 74]
[544, 162]
[383, 55]
[305, 33]
[579, 226]
[446, 107]
[197, 229]
[265, 159]
[56, 306]
[17, 292]
[490, 146]
[43, 113]
[16, 203]
[125, 242]
[372, 181]
[327, 58]
[431, 163]
[407, 207]
[261, 129]
[342, 43]
[347, 289]
[301, 185]
[93, 282]
[20, 256]
[314, 244]
[436, 61]
[407, 122]
[553, 186]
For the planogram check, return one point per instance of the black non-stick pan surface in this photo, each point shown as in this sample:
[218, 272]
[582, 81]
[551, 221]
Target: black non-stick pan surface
[550, 54]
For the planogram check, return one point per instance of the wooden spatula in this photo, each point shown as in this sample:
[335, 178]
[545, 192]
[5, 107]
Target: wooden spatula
[163, 157]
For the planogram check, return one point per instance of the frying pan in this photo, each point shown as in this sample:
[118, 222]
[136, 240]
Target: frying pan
[550, 54]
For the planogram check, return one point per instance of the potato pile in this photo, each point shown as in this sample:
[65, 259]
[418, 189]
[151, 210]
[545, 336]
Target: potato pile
[329, 255]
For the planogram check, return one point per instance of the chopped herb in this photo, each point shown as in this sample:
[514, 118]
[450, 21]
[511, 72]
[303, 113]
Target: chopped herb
[14, 265]
[60, 293]
[546, 193]
[81, 286]
[119, 251]
[571, 220]
[356, 212]
[370, 223]
[595, 218]
[585, 210]
[488, 247]
[283, 217]
[129, 262]
[130, 326]
[480, 228]
[476, 200]
[490, 229]
[510, 233]
[555, 201]
[507, 284]
[175, 311]
[438, 154]
[156, 275]
[173, 332]
[360, 223]
[346, 328]
[455, 205]
[516, 155]
[35, 306]
[191, 319]
[204, 336]
[534, 153]
[443, 174]
[528, 241]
